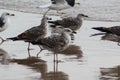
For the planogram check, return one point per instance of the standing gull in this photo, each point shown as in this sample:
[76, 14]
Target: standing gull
[33, 33]
[55, 43]
[58, 5]
[74, 23]
[114, 30]
[4, 21]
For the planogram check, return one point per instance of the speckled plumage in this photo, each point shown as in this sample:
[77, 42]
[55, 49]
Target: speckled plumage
[33, 33]
[56, 42]
[74, 23]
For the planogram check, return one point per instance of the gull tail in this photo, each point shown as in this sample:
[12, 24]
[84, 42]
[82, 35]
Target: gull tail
[96, 34]
[102, 29]
[13, 38]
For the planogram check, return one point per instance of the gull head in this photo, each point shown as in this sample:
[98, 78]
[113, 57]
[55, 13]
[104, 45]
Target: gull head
[6, 14]
[82, 16]
[45, 19]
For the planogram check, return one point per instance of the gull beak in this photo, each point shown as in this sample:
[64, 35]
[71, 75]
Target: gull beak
[53, 26]
[12, 14]
[77, 3]
[74, 32]
[86, 16]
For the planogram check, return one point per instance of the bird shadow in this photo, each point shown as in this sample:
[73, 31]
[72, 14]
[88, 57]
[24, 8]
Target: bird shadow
[73, 50]
[55, 74]
[41, 66]
[110, 73]
[4, 57]
[109, 37]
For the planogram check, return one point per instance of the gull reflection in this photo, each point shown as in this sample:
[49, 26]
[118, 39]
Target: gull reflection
[35, 64]
[55, 74]
[73, 50]
[111, 37]
[112, 73]
[41, 66]
[4, 57]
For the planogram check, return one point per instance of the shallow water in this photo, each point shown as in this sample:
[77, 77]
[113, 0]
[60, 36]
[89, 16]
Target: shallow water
[96, 53]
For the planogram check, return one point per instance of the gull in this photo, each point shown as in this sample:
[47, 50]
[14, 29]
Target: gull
[55, 43]
[58, 5]
[114, 30]
[74, 23]
[4, 22]
[33, 33]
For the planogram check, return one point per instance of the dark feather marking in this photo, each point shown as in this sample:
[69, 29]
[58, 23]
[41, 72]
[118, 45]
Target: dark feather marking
[113, 30]
[71, 2]
[1, 22]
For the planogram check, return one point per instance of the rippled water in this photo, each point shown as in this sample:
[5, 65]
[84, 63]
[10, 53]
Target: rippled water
[96, 53]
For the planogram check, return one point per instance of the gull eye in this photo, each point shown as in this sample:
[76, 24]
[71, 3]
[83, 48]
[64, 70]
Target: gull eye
[68, 30]
[7, 14]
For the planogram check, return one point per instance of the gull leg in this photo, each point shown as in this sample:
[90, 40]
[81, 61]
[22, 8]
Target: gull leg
[56, 62]
[28, 49]
[28, 46]
[39, 51]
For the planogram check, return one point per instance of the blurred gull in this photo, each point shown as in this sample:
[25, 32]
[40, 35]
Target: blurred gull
[58, 5]
[4, 21]
[55, 43]
[74, 23]
[33, 33]
[111, 33]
